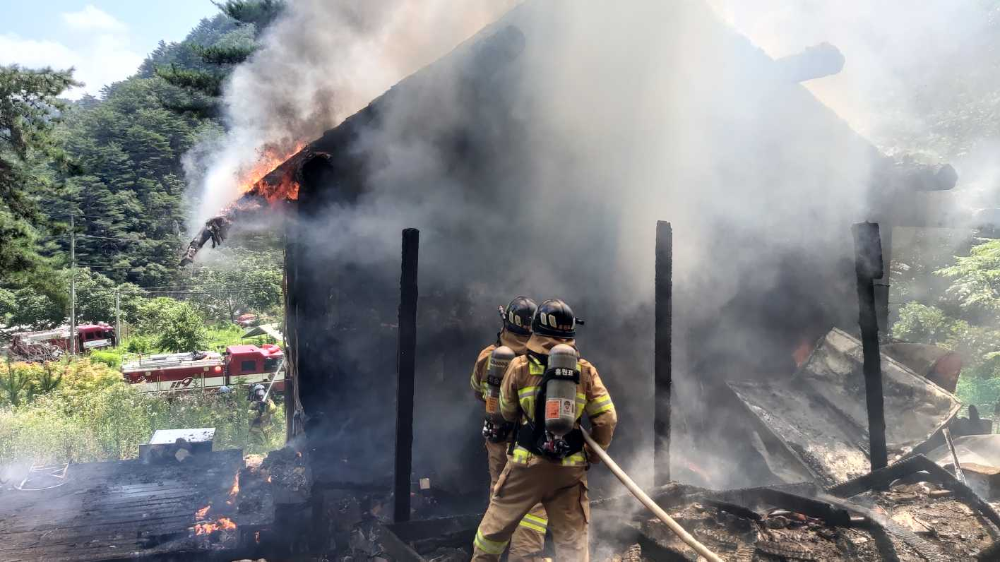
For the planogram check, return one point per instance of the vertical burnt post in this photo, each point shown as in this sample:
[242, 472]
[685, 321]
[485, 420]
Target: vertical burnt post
[405, 368]
[882, 284]
[868, 266]
[662, 376]
[291, 325]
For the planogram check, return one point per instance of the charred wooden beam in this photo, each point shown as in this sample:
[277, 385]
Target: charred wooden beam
[868, 267]
[217, 228]
[663, 376]
[405, 373]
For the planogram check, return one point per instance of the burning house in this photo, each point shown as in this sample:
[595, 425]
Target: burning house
[536, 159]
[474, 151]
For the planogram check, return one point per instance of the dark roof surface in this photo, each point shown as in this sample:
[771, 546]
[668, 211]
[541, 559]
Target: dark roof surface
[112, 510]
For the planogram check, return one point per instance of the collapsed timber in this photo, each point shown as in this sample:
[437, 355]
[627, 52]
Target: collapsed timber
[275, 189]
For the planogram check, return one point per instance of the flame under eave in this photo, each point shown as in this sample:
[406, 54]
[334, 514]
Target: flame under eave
[264, 190]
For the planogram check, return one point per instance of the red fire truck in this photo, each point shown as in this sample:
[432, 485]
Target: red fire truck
[49, 344]
[240, 364]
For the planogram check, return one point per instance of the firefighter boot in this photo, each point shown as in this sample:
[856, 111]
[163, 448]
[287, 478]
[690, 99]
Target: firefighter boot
[563, 492]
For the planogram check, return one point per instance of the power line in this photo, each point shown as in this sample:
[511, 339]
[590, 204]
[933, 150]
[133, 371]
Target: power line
[110, 238]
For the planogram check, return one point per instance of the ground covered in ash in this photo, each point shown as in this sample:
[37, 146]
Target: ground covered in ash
[936, 516]
[780, 535]
[927, 523]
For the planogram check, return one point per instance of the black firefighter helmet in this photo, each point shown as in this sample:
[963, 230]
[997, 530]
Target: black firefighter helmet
[518, 314]
[555, 318]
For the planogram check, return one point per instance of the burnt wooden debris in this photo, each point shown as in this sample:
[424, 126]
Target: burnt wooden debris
[663, 377]
[869, 267]
[405, 369]
[121, 510]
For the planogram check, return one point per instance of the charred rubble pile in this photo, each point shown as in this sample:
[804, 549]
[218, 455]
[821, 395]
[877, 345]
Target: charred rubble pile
[912, 511]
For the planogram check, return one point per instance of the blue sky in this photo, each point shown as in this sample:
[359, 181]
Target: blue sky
[105, 40]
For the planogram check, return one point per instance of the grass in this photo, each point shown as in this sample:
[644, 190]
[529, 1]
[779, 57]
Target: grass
[92, 415]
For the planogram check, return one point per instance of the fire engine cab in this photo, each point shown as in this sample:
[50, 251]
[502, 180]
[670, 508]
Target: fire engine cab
[240, 364]
[49, 344]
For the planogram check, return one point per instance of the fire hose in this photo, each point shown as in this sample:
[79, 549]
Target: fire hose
[648, 502]
[273, 379]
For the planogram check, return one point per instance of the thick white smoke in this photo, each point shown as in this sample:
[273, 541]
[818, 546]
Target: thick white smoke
[545, 176]
[919, 77]
[321, 62]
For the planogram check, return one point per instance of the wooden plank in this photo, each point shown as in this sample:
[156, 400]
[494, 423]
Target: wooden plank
[116, 510]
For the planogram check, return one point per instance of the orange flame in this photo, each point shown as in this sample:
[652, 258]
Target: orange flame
[201, 513]
[266, 177]
[223, 524]
[235, 490]
[802, 352]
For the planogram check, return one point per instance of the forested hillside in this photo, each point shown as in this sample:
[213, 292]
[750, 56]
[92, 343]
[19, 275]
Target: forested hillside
[116, 165]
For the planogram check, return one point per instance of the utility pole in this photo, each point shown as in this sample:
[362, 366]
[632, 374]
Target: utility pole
[72, 285]
[118, 316]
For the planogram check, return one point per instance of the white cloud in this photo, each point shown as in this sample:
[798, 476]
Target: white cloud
[99, 50]
[92, 19]
[102, 60]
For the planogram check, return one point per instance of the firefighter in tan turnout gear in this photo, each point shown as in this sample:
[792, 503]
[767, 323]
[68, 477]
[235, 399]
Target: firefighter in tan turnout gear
[529, 536]
[548, 389]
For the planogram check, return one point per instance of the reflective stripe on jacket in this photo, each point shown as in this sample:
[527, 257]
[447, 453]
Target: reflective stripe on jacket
[522, 380]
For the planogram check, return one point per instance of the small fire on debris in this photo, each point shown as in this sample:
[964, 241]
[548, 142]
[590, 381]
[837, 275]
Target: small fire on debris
[208, 527]
[802, 352]
[235, 490]
[205, 527]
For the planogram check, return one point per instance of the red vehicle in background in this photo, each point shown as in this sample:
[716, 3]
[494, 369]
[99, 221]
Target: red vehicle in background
[246, 320]
[48, 345]
[240, 364]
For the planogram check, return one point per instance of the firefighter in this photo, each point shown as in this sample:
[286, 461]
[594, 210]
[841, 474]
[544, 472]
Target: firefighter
[548, 389]
[261, 410]
[529, 537]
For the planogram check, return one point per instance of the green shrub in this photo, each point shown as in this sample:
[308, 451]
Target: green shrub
[111, 358]
[139, 344]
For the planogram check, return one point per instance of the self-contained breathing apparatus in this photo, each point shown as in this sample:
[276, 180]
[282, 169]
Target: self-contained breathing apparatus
[495, 428]
[552, 431]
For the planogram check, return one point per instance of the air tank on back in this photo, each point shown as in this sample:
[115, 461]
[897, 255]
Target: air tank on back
[560, 390]
[499, 360]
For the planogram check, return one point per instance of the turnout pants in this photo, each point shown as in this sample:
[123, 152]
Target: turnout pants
[562, 490]
[529, 536]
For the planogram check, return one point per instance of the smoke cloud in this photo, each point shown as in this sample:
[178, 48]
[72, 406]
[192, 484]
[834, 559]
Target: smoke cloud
[544, 175]
[321, 62]
[917, 79]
